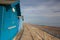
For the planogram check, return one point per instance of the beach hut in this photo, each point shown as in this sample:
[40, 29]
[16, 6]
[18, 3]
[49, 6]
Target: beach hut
[9, 19]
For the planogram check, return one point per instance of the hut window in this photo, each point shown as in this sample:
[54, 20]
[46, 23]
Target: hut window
[18, 9]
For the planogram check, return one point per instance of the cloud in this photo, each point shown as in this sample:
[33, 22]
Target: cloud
[41, 11]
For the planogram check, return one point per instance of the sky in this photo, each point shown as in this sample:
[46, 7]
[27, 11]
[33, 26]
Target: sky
[41, 12]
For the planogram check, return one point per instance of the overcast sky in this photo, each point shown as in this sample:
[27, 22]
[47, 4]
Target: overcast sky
[41, 12]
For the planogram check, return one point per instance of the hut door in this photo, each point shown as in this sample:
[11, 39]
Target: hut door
[11, 22]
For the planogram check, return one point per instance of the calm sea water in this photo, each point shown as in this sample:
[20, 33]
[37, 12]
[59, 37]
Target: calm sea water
[50, 24]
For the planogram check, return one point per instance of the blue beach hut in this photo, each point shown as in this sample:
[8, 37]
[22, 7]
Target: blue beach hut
[9, 19]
